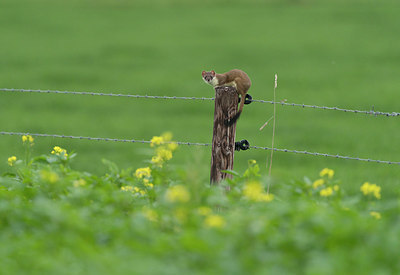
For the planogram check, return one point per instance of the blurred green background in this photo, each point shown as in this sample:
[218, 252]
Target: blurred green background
[333, 53]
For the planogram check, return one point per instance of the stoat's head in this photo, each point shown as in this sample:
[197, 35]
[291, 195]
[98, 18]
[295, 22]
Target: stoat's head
[209, 78]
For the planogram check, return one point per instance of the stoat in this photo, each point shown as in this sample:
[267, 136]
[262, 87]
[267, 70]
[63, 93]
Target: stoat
[236, 78]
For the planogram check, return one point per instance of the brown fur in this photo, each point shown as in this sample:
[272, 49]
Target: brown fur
[237, 78]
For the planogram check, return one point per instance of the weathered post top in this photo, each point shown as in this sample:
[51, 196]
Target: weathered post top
[223, 142]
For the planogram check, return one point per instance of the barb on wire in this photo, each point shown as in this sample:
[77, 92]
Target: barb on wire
[371, 112]
[198, 144]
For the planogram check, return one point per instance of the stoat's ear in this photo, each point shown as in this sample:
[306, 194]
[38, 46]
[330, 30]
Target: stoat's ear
[203, 73]
[213, 72]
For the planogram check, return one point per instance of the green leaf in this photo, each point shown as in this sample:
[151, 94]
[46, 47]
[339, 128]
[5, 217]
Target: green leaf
[111, 166]
[41, 159]
[231, 172]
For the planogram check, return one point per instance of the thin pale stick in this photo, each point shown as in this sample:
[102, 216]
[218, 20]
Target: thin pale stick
[266, 123]
[273, 130]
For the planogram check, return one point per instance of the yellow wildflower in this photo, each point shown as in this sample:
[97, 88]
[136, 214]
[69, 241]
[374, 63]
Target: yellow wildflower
[143, 172]
[80, 182]
[164, 153]
[172, 146]
[49, 176]
[12, 160]
[255, 192]
[157, 160]
[215, 221]
[375, 214]
[374, 189]
[133, 189]
[167, 136]
[149, 185]
[252, 162]
[27, 138]
[326, 192]
[204, 210]
[327, 172]
[377, 192]
[266, 197]
[365, 188]
[150, 214]
[318, 183]
[177, 193]
[156, 141]
[336, 187]
[57, 150]
[127, 188]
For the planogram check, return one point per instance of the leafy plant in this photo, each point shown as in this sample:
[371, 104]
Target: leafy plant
[55, 219]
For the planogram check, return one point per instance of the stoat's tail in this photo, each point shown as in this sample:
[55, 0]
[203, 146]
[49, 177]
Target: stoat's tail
[233, 119]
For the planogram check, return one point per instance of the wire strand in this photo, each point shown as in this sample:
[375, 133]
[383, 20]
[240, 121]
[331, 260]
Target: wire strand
[198, 144]
[325, 155]
[371, 112]
[104, 94]
[99, 138]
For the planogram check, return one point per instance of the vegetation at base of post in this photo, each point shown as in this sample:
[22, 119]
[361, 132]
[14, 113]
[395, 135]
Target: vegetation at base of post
[152, 219]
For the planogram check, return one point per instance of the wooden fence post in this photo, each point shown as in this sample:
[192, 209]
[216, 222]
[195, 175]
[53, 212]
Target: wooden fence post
[223, 142]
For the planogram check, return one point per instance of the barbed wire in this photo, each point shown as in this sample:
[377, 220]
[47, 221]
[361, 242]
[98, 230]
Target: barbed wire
[100, 139]
[104, 94]
[325, 155]
[198, 144]
[370, 112]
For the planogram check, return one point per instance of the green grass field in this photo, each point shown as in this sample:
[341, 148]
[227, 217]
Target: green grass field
[341, 53]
